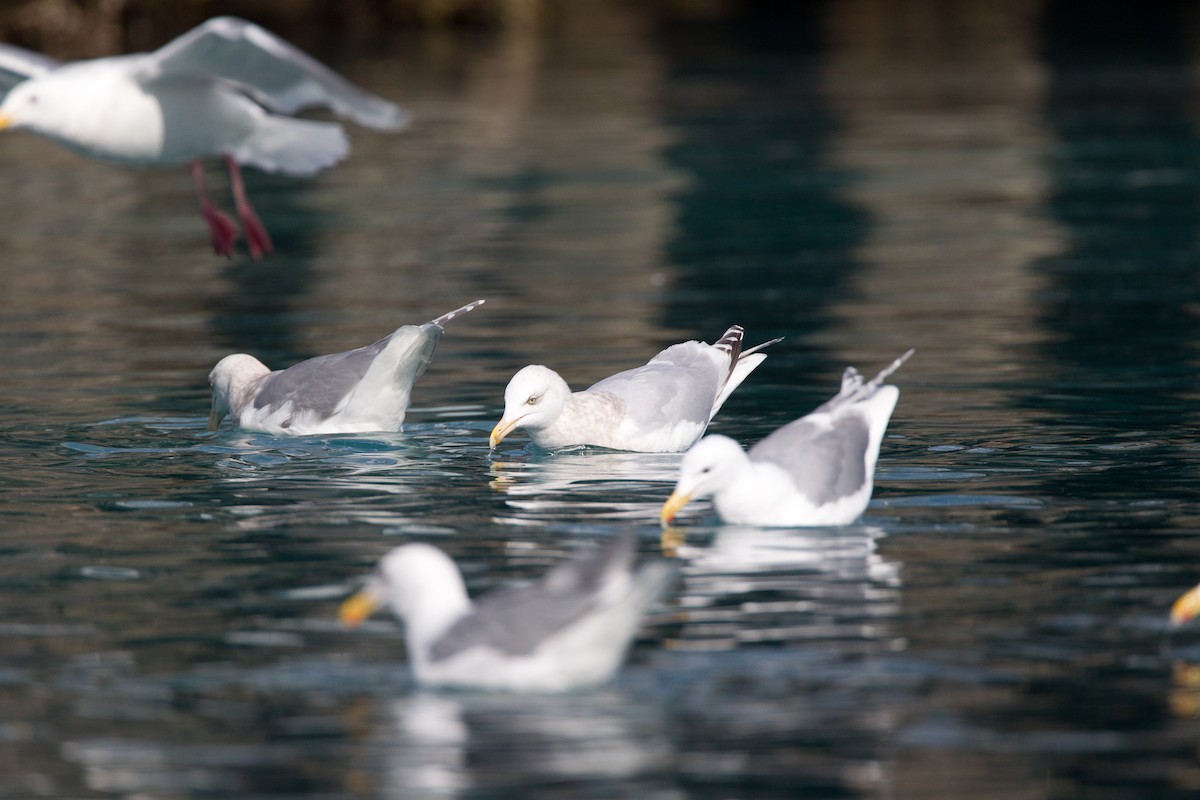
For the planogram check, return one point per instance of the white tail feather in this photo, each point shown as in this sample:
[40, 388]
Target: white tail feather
[746, 363]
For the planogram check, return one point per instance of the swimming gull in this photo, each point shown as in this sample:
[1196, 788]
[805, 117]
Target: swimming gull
[208, 93]
[661, 407]
[358, 391]
[817, 470]
[1187, 607]
[569, 630]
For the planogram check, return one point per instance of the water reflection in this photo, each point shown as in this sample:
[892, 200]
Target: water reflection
[765, 234]
[748, 585]
[600, 484]
[1009, 187]
[460, 745]
[1122, 310]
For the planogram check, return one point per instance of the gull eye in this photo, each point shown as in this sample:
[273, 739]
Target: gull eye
[533, 400]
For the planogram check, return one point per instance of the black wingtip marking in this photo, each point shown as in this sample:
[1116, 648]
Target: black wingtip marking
[731, 343]
[731, 340]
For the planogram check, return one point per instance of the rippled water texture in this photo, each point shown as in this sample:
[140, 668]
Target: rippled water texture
[1010, 188]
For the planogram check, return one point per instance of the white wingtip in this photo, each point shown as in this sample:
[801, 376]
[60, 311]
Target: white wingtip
[890, 368]
[762, 346]
[458, 312]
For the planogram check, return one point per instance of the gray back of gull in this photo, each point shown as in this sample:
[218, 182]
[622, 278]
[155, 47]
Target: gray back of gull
[825, 463]
[516, 621]
[318, 384]
[678, 385]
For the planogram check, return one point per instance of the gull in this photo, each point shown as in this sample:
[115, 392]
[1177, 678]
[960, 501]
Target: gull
[359, 391]
[223, 89]
[567, 631]
[817, 470]
[1186, 607]
[661, 407]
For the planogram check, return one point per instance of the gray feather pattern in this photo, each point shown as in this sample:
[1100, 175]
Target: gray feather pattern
[318, 384]
[825, 463]
[276, 74]
[678, 385]
[18, 64]
[516, 621]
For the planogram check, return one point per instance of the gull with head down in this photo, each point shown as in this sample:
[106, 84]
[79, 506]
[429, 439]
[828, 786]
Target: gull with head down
[817, 470]
[569, 630]
[359, 391]
[661, 407]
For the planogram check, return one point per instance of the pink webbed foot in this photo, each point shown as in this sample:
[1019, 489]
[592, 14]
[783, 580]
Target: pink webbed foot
[222, 228]
[220, 225]
[257, 237]
[256, 233]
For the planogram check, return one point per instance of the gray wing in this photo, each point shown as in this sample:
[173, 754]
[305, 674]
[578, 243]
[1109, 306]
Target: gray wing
[275, 73]
[679, 384]
[516, 621]
[825, 463]
[18, 64]
[318, 384]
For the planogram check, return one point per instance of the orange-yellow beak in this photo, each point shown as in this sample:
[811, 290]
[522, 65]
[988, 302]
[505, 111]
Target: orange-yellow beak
[357, 608]
[674, 504]
[1186, 607]
[503, 428]
[5, 121]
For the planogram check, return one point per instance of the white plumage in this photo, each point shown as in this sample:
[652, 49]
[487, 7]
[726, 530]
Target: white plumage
[569, 630]
[661, 407]
[817, 470]
[359, 391]
[221, 90]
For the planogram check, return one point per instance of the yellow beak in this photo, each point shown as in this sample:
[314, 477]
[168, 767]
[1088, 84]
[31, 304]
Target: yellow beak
[503, 428]
[5, 121]
[357, 608]
[674, 504]
[214, 419]
[1186, 607]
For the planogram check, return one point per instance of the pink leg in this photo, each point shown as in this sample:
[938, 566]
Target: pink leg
[224, 232]
[256, 233]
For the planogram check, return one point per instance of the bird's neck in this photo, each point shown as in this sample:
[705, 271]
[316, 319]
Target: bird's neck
[754, 488]
[437, 612]
[577, 424]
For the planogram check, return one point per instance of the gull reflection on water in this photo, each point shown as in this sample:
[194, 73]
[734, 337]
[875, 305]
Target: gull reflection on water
[382, 479]
[451, 745]
[603, 484]
[762, 584]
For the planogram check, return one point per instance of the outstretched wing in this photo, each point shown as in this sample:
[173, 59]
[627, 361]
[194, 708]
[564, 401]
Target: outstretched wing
[18, 64]
[275, 73]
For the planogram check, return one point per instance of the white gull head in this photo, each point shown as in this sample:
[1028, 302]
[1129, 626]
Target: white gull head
[233, 380]
[534, 399]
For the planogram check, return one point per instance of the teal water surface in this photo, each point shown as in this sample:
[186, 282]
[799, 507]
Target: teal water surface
[1009, 191]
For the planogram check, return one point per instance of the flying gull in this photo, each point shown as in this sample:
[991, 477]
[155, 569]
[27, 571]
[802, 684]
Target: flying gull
[358, 391]
[817, 470]
[223, 89]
